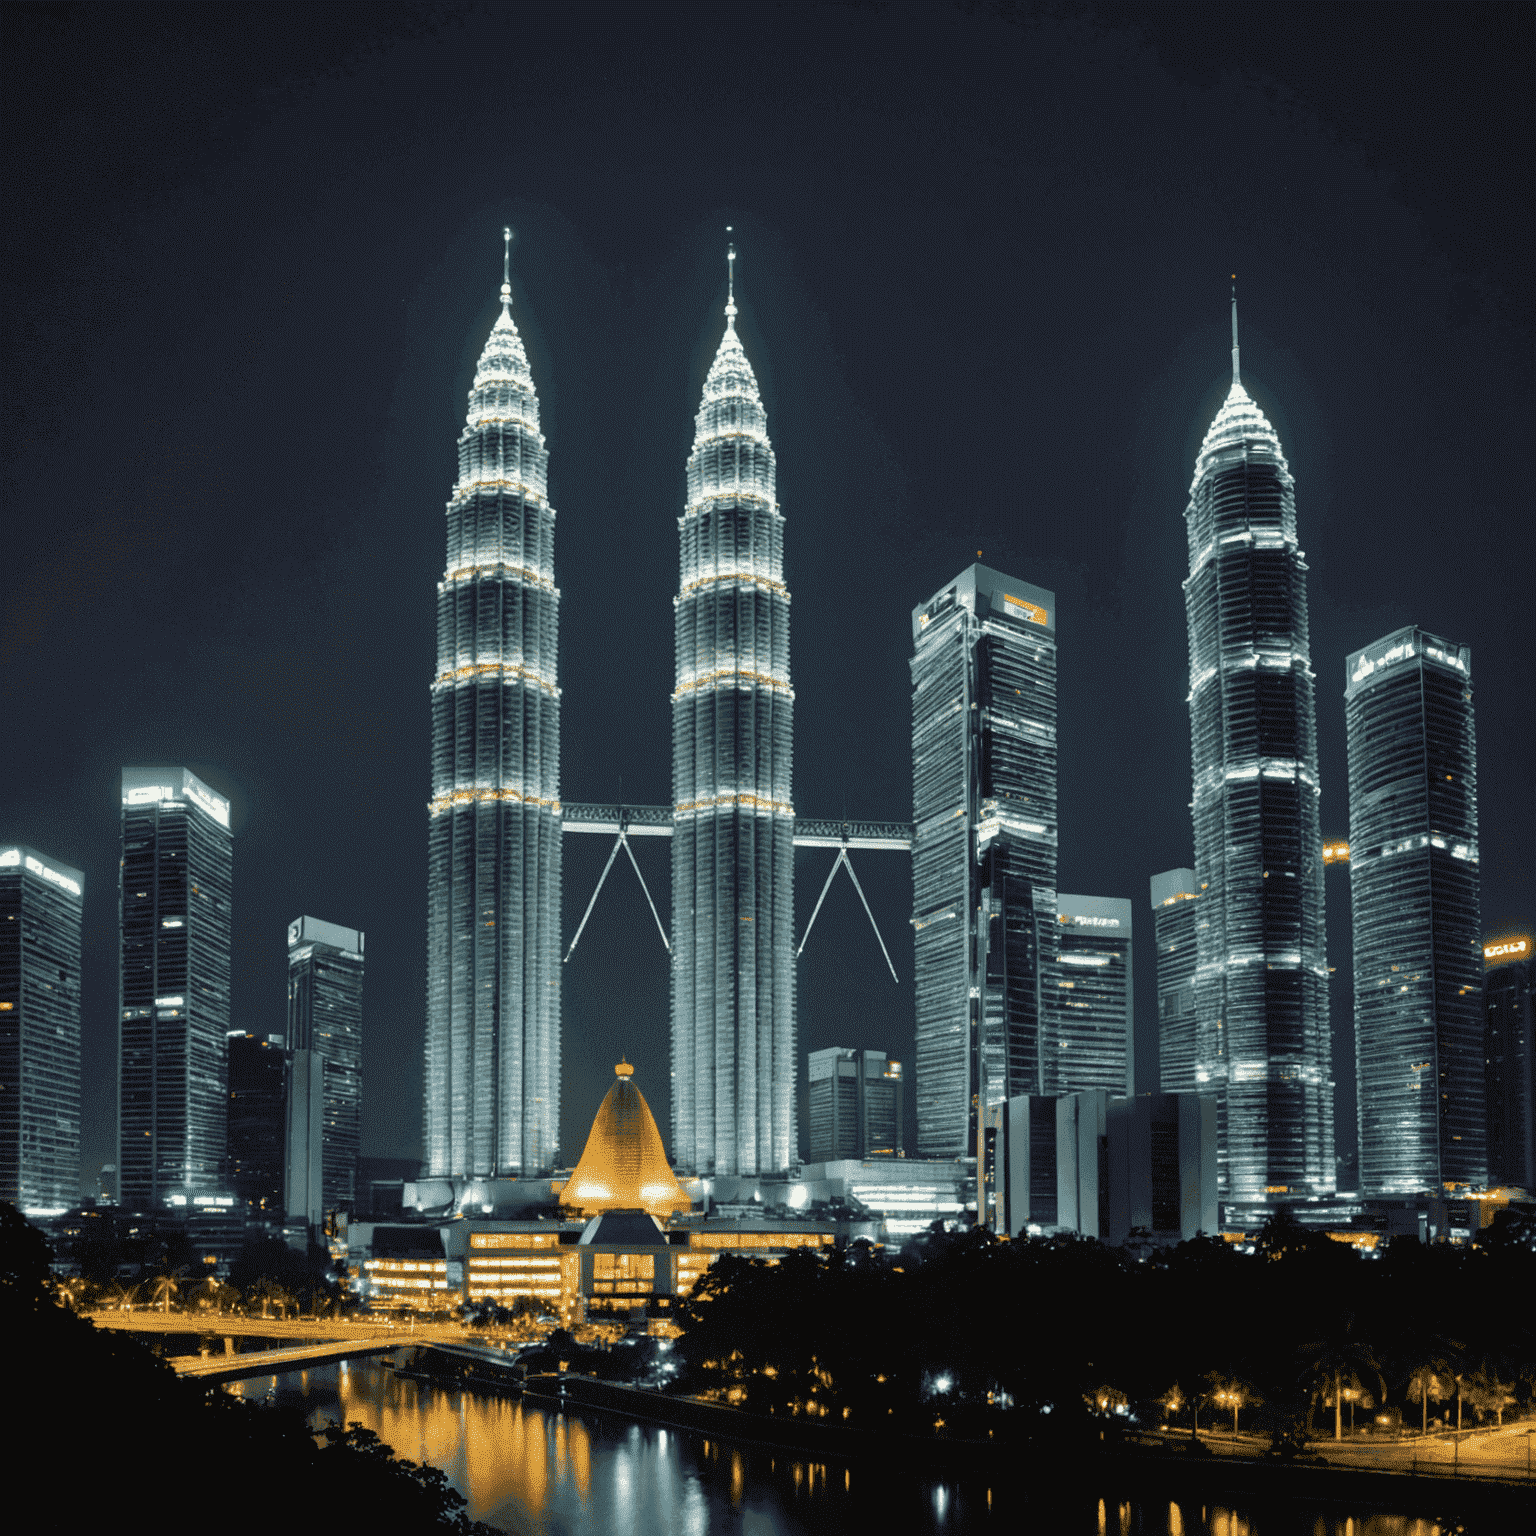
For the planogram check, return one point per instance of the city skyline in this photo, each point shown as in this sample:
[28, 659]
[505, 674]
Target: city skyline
[298, 694]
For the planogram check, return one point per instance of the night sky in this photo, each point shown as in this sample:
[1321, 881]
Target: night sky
[251, 256]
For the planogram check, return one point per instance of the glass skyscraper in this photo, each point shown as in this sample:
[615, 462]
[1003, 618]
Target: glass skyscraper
[1413, 881]
[1509, 1001]
[325, 1016]
[855, 1104]
[733, 957]
[41, 906]
[1091, 1041]
[257, 1094]
[1262, 1043]
[173, 988]
[1173, 926]
[983, 848]
[492, 1068]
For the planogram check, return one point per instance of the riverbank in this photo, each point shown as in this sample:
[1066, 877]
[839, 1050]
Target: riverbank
[1136, 1469]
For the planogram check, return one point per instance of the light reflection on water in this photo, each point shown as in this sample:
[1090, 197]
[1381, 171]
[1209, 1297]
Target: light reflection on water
[537, 1472]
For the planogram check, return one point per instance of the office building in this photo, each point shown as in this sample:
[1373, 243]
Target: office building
[257, 1098]
[1418, 961]
[983, 847]
[1508, 981]
[1091, 1042]
[733, 959]
[1262, 1043]
[1108, 1166]
[491, 1102]
[855, 1105]
[1173, 932]
[41, 907]
[325, 1017]
[173, 988]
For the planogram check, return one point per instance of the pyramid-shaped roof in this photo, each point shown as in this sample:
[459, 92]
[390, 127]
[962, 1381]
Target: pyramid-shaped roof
[624, 1165]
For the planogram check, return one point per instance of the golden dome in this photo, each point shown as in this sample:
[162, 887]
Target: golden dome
[624, 1165]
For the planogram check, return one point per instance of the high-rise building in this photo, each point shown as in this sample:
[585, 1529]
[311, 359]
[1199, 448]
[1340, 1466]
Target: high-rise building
[325, 1018]
[1262, 1044]
[492, 1068]
[1091, 1041]
[173, 988]
[855, 1104]
[983, 848]
[1413, 881]
[1509, 1001]
[1173, 928]
[41, 905]
[733, 957]
[256, 1120]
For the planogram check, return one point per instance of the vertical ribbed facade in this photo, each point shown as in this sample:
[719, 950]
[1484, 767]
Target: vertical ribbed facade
[41, 910]
[1413, 884]
[174, 909]
[492, 1078]
[983, 849]
[1173, 927]
[1261, 983]
[325, 1015]
[733, 962]
[1509, 1001]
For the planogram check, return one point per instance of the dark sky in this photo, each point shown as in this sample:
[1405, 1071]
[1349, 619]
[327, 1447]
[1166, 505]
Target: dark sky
[251, 255]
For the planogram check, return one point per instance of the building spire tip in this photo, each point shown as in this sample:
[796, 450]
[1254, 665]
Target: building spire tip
[1237, 374]
[506, 267]
[730, 282]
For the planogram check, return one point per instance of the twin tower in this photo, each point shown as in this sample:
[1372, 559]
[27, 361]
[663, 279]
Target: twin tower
[492, 1080]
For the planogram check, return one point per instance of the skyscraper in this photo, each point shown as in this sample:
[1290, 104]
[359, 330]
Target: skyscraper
[983, 848]
[173, 988]
[257, 1096]
[1413, 882]
[733, 962]
[1091, 1038]
[855, 1104]
[1173, 925]
[492, 1069]
[325, 1017]
[1509, 1001]
[41, 904]
[1262, 1043]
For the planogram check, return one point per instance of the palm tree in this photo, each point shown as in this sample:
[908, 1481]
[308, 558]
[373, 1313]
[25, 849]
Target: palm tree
[1231, 1392]
[1487, 1394]
[1339, 1355]
[165, 1287]
[1433, 1375]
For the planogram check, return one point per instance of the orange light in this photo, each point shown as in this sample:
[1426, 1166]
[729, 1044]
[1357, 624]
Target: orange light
[1032, 611]
[1336, 853]
[1500, 952]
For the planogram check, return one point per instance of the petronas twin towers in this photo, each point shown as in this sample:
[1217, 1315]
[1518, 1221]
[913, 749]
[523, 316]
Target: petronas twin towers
[492, 1081]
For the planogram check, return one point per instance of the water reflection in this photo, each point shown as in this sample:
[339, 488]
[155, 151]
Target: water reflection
[531, 1469]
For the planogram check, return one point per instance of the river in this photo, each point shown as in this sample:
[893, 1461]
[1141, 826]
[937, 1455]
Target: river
[531, 1470]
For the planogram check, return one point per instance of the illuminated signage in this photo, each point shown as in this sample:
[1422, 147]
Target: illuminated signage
[213, 805]
[10, 856]
[148, 794]
[1336, 853]
[1082, 920]
[1518, 948]
[1031, 611]
[199, 794]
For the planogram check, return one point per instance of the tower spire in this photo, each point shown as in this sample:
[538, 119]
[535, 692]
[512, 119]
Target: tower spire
[1237, 377]
[730, 283]
[506, 268]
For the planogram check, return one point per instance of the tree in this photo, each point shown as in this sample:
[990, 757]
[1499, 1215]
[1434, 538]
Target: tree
[1342, 1353]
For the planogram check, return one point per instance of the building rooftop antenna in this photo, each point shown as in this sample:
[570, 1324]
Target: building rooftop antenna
[506, 267]
[1237, 376]
[730, 282]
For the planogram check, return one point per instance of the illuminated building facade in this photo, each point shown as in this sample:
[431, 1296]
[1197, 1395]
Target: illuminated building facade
[1510, 1010]
[1091, 1039]
[1173, 931]
[492, 1061]
[1262, 1042]
[983, 848]
[41, 908]
[325, 1022]
[1418, 959]
[855, 1105]
[733, 958]
[257, 1096]
[173, 988]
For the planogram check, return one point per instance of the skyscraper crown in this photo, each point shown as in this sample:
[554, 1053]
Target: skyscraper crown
[1239, 422]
